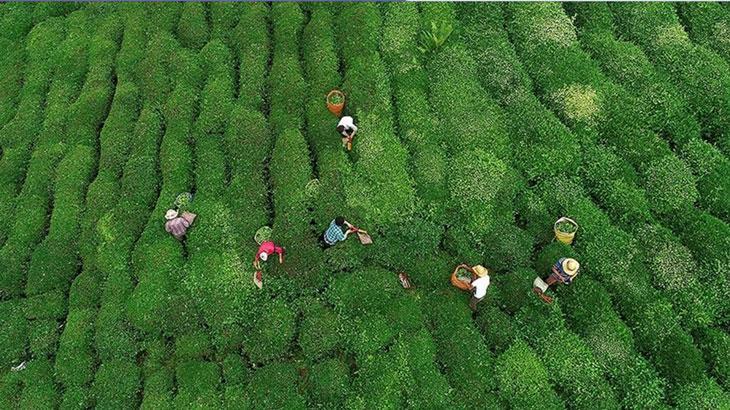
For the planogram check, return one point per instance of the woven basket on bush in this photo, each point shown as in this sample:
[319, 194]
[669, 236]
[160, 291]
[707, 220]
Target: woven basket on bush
[565, 237]
[262, 235]
[336, 108]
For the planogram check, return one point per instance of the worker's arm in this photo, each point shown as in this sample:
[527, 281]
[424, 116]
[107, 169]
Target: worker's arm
[256, 263]
[281, 256]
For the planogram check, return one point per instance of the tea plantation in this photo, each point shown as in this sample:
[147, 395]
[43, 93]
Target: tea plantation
[479, 126]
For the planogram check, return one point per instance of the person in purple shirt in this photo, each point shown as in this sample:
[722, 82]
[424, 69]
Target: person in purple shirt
[177, 224]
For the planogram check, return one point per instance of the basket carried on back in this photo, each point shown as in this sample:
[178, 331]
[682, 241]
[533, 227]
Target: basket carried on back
[336, 102]
[561, 235]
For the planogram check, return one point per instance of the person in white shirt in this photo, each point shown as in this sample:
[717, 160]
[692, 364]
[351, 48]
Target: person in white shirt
[347, 128]
[478, 286]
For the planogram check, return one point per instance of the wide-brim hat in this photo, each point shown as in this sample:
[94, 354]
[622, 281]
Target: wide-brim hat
[571, 266]
[481, 271]
[170, 214]
[264, 256]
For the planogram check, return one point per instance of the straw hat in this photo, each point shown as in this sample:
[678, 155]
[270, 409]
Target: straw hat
[481, 271]
[571, 266]
[170, 214]
[264, 256]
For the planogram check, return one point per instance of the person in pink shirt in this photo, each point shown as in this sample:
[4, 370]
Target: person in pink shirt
[177, 224]
[266, 249]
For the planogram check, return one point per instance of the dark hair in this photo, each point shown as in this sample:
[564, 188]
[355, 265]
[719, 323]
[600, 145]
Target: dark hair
[340, 220]
[340, 128]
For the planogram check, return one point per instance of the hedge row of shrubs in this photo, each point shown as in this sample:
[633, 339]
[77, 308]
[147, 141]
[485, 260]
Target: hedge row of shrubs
[706, 24]
[247, 129]
[700, 74]
[76, 359]
[664, 106]
[224, 18]
[574, 366]
[11, 77]
[290, 167]
[321, 70]
[538, 136]
[482, 182]
[394, 354]
[54, 262]
[379, 190]
[536, 131]
[114, 338]
[17, 139]
[417, 127]
[462, 352]
[220, 298]
[416, 123]
[192, 27]
[251, 42]
[18, 19]
[159, 302]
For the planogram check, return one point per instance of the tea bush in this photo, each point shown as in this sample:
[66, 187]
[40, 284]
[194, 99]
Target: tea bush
[379, 190]
[715, 345]
[117, 384]
[328, 383]
[658, 31]
[522, 379]
[192, 28]
[318, 332]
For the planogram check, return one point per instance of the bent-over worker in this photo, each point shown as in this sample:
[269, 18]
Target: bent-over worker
[563, 271]
[266, 249]
[177, 224]
[347, 128]
[337, 231]
[478, 286]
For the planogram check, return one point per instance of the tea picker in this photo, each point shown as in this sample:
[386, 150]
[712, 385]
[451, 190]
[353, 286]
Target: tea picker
[347, 128]
[266, 249]
[338, 230]
[476, 281]
[563, 271]
[178, 223]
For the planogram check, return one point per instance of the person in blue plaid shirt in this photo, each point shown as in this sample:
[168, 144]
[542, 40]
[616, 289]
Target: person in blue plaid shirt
[338, 231]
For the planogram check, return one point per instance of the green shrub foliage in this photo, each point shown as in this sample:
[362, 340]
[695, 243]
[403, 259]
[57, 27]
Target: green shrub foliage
[523, 381]
[658, 31]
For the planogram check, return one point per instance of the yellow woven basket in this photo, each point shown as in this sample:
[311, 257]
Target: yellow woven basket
[565, 237]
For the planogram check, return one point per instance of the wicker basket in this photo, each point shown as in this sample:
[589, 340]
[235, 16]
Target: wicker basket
[336, 108]
[565, 237]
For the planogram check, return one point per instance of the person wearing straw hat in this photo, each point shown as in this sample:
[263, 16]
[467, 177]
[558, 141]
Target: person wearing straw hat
[479, 284]
[347, 128]
[177, 224]
[267, 249]
[563, 271]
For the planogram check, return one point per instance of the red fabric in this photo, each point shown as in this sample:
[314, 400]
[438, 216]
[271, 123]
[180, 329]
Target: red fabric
[270, 248]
